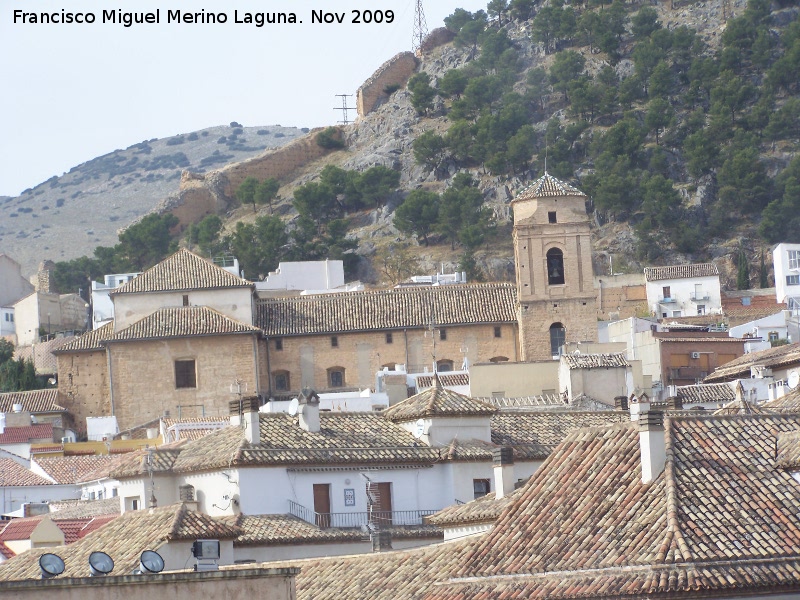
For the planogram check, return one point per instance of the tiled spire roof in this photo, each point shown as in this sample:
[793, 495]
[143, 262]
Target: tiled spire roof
[438, 401]
[547, 186]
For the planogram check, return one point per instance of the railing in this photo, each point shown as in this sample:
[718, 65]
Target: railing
[356, 520]
[667, 300]
[701, 297]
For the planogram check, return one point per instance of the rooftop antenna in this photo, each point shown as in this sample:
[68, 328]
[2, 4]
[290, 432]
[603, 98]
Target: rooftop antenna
[420, 28]
[153, 501]
[433, 328]
[344, 108]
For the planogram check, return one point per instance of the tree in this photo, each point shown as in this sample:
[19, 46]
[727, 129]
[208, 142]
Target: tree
[147, 242]
[763, 273]
[730, 94]
[374, 185]
[246, 192]
[522, 9]
[453, 83]
[429, 149]
[660, 202]
[743, 271]
[566, 67]
[644, 23]
[258, 246]
[205, 233]
[497, 9]
[660, 115]
[422, 94]
[266, 192]
[418, 214]
[397, 262]
[744, 184]
[661, 81]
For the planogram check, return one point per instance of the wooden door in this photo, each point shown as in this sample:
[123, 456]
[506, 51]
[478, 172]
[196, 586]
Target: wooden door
[322, 504]
[380, 495]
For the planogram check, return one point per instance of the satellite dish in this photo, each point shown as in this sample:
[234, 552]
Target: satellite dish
[100, 563]
[794, 378]
[151, 562]
[51, 565]
[419, 428]
[294, 405]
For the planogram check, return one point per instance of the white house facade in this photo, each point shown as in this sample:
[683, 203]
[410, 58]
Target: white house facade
[683, 290]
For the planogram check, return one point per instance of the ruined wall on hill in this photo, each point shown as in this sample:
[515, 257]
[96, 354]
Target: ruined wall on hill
[394, 72]
[438, 37]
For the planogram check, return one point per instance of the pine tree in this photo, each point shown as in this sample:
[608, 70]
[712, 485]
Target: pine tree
[743, 275]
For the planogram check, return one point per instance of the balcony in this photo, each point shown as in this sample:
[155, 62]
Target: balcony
[667, 300]
[700, 297]
[357, 520]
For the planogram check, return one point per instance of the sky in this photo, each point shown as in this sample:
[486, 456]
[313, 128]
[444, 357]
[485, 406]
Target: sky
[71, 92]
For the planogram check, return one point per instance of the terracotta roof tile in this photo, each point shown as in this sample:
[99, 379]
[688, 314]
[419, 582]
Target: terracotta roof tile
[79, 509]
[184, 270]
[546, 186]
[485, 509]
[788, 403]
[184, 321]
[91, 341]
[96, 523]
[595, 361]
[680, 271]
[5, 550]
[124, 538]
[72, 469]
[19, 529]
[388, 309]
[34, 401]
[446, 379]
[780, 356]
[21, 435]
[14, 474]
[437, 401]
[705, 392]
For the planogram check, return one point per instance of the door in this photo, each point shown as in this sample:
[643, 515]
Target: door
[322, 504]
[379, 496]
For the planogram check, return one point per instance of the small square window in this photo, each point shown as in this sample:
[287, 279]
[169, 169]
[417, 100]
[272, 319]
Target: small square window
[336, 378]
[793, 280]
[282, 381]
[278, 344]
[442, 334]
[185, 374]
[480, 487]
[498, 332]
[551, 217]
[186, 299]
[334, 341]
[389, 338]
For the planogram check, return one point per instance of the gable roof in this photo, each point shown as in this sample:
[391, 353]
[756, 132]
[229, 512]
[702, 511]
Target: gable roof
[79, 509]
[23, 435]
[788, 403]
[437, 401]
[182, 271]
[91, 341]
[780, 356]
[72, 469]
[388, 309]
[14, 474]
[183, 321]
[34, 401]
[485, 509]
[705, 392]
[124, 539]
[680, 271]
[595, 361]
[547, 186]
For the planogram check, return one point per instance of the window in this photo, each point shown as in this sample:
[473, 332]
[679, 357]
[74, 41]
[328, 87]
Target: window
[185, 374]
[498, 332]
[278, 344]
[666, 292]
[794, 259]
[551, 217]
[442, 334]
[558, 335]
[186, 299]
[793, 280]
[676, 313]
[555, 266]
[281, 381]
[773, 336]
[444, 365]
[133, 503]
[480, 487]
[701, 309]
[336, 377]
[389, 338]
[334, 341]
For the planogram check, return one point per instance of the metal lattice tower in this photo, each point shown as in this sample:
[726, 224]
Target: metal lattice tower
[420, 27]
[344, 108]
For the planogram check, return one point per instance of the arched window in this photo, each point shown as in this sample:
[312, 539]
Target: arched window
[280, 379]
[558, 335]
[444, 365]
[336, 377]
[555, 266]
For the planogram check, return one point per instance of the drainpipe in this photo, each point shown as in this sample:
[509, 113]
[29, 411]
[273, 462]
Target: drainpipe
[110, 380]
[269, 371]
[405, 337]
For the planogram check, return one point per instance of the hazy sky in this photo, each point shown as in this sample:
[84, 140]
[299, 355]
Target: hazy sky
[71, 92]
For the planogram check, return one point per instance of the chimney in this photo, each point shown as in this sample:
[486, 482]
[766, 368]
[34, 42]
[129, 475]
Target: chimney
[674, 403]
[639, 406]
[621, 403]
[244, 414]
[652, 445]
[309, 412]
[503, 460]
[381, 541]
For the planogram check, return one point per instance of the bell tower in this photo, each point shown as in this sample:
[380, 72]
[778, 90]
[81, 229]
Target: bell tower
[553, 257]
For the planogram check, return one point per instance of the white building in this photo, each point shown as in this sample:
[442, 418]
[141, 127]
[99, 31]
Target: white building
[764, 331]
[683, 290]
[315, 276]
[786, 261]
[102, 306]
[7, 328]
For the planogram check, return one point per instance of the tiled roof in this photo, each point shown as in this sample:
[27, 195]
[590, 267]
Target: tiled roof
[124, 539]
[5, 550]
[447, 380]
[595, 361]
[22, 435]
[285, 529]
[72, 469]
[96, 523]
[545, 186]
[739, 406]
[485, 509]
[437, 401]
[739, 315]
[184, 270]
[705, 392]
[467, 450]
[79, 509]
[788, 403]
[184, 321]
[91, 341]
[43, 354]
[680, 271]
[343, 438]
[14, 474]
[533, 434]
[788, 447]
[777, 357]
[19, 529]
[388, 309]
[34, 401]
[193, 428]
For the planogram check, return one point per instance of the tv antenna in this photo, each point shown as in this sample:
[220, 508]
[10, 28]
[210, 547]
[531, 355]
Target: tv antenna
[344, 108]
[420, 28]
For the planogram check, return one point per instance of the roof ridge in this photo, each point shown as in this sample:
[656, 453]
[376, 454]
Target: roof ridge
[177, 521]
[674, 534]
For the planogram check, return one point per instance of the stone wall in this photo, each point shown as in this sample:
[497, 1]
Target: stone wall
[438, 37]
[579, 316]
[83, 386]
[394, 72]
[621, 296]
